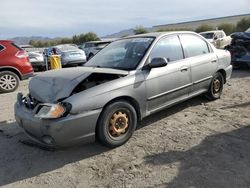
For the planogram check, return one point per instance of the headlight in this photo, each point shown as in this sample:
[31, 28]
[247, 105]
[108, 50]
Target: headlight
[53, 111]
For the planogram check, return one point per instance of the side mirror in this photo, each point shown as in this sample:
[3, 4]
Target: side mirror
[158, 62]
[215, 37]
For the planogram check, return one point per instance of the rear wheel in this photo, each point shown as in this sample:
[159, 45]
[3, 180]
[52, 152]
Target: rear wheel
[216, 87]
[116, 124]
[9, 81]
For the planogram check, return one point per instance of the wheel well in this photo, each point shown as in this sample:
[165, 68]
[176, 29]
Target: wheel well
[11, 70]
[223, 72]
[130, 100]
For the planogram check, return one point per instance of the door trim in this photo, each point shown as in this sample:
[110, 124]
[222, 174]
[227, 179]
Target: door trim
[168, 92]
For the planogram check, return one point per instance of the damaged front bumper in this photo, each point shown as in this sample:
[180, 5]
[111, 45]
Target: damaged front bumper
[62, 132]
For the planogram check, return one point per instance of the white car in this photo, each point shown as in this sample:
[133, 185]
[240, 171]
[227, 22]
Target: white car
[37, 60]
[218, 38]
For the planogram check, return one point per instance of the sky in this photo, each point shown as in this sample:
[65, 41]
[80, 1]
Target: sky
[61, 18]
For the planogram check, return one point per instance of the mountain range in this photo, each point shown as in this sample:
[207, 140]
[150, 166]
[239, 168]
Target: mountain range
[25, 40]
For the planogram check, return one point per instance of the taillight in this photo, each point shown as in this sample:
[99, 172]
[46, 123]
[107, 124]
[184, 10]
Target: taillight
[22, 54]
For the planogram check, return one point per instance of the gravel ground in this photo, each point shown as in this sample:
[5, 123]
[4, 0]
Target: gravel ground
[194, 144]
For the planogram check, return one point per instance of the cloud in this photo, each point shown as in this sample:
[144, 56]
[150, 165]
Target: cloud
[65, 18]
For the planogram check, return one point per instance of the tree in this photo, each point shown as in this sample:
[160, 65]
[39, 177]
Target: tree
[75, 39]
[65, 41]
[32, 42]
[227, 28]
[140, 30]
[90, 36]
[204, 27]
[243, 24]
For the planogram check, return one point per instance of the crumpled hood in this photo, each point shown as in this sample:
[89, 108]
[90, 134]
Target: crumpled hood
[50, 86]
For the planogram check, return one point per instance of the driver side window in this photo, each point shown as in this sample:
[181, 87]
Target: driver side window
[168, 47]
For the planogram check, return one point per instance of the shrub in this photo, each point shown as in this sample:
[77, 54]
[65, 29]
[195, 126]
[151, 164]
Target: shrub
[227, 28]
[204, 27]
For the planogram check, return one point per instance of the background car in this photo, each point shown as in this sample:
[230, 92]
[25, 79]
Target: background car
[128, 80]
[14, 66]
[218, 38]
[36, 57]
[92, 47]
[70, 54]
[37, 60]
[240, 49]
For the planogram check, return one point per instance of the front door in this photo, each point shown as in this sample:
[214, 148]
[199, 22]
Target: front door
[166, 85]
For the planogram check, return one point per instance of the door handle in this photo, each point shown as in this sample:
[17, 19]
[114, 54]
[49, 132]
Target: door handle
[184, 69]
[214, 61]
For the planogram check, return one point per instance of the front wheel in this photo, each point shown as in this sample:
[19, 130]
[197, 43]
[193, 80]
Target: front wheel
[116, 124]
[9, 82]
[216, 87]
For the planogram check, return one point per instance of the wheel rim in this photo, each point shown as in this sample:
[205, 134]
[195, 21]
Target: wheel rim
[216, 85]
[8, 82]
[118, 124]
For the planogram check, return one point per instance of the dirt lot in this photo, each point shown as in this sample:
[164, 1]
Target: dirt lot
[194, 144]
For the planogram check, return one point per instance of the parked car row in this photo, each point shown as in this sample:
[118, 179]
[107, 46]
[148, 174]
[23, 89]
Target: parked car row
[11, 70]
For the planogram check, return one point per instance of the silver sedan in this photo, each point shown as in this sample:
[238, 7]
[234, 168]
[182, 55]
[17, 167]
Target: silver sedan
[126, 81]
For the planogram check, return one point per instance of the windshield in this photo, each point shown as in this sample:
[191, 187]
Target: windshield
[124, 54]
[207, 35]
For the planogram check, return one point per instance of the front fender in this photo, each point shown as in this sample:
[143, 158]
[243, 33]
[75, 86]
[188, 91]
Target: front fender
[132, 86]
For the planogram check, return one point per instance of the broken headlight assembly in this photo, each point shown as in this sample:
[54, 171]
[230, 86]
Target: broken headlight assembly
[53, 111]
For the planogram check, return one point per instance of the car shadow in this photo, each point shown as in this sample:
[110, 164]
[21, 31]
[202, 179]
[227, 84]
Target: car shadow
[221, 160]
[240, 73]
[199, 100]
[19, 161]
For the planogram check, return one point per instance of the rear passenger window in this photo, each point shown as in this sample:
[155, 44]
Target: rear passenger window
[1, 48]
[168, 47]
[15, 45]
[193, 45]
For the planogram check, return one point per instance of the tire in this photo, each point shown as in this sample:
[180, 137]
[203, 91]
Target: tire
[9, 81]
[216, 87]
[116, 124]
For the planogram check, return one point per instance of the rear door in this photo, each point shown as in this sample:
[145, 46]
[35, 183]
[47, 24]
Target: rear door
[202, 59]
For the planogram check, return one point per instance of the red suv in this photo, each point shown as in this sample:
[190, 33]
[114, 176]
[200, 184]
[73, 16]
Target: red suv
[14, 66]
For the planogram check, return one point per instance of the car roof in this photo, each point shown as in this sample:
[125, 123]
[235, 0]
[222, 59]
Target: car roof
[160, 34]
[99, 41]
